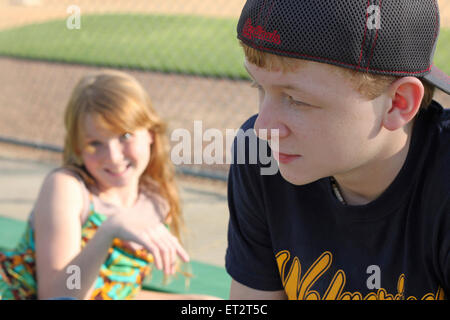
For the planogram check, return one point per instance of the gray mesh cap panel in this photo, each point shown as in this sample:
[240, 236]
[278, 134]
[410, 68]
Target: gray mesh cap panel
[394, 37]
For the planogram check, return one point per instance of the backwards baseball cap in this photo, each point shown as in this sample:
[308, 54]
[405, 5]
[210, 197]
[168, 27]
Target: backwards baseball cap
[388, 37]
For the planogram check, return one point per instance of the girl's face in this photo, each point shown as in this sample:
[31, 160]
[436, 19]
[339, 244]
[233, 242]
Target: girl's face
[115, 160]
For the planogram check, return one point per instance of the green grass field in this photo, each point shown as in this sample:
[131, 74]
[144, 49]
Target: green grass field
[184, 44]
[181, 44]
[442, 56]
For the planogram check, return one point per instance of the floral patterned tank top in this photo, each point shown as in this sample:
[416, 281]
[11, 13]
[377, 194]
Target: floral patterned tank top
[120, 276]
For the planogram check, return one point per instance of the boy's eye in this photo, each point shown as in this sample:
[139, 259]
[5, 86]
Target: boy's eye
[296, 102]
[256, 85]
[261, 92]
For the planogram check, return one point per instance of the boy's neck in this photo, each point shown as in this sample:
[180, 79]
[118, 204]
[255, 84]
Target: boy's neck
[366, 183]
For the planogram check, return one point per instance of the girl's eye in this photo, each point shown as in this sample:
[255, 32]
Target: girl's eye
[126, 136]
[93, 146]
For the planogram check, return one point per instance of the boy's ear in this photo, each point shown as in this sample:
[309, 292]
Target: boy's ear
[405, 97]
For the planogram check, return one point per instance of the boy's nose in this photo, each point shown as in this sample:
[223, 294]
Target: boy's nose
[269, 121]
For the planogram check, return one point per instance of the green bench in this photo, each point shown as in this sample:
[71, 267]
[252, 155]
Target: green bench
[206, 279]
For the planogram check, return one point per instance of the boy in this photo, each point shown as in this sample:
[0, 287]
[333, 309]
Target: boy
[360, 207]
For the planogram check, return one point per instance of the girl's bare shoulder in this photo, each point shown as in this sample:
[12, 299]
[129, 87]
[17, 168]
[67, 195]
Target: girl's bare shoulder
[62, 190]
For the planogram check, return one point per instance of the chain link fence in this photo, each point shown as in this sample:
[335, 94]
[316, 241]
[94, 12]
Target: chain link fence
[185, 54]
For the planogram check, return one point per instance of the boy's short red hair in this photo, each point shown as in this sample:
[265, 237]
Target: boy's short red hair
[369, 85]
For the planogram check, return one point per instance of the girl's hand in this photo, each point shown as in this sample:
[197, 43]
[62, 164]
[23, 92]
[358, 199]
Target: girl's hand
[142, 228]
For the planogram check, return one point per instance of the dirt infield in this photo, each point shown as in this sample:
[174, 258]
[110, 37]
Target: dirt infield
[34, 95]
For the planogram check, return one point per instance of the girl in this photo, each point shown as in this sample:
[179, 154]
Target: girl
[105, 215]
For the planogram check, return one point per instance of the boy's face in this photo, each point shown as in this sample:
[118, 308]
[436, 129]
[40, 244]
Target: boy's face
[325, 126]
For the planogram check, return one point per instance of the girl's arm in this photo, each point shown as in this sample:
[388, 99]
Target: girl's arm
[58, 240]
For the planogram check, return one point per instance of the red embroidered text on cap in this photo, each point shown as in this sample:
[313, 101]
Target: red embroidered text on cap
[258, 32]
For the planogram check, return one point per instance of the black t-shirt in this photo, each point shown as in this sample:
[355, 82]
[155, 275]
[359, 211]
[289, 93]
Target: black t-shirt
[304, 240]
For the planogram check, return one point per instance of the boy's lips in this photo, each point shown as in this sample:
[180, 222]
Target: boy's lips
[284, 157]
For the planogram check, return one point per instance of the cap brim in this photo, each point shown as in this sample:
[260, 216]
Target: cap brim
[439, 79]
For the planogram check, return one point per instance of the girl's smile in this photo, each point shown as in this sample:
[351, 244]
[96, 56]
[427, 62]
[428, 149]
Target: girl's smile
[118, 172]
[116, 161]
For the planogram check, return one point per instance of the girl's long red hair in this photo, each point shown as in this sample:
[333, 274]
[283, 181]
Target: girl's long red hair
[119, 103]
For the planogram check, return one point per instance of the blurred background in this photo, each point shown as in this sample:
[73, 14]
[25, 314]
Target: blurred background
[185, 54]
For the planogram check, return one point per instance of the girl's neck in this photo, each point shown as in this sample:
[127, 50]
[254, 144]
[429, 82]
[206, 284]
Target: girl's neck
[124, 197]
